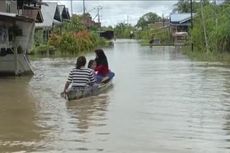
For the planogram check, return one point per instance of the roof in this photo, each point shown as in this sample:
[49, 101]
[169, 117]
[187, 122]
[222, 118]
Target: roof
[180, 18]
[61, 8]
[13, 16]
[49, 12]
[64, 13]
[34, 14]
[67, 14]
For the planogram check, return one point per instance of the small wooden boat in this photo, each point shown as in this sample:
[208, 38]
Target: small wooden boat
[78, 93]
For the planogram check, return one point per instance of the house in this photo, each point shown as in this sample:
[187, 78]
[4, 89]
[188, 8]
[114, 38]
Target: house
[88, 21]
[64, 13]
[180, 22]
[179, 27]
[108, 34]
[28, 8]
[53, 15]
[17, 24]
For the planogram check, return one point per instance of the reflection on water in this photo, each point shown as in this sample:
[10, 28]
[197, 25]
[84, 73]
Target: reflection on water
[18, 130]
[161, 102]
[87, 111]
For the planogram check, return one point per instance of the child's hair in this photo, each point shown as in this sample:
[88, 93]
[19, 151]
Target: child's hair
[91, 63]
[81, 61]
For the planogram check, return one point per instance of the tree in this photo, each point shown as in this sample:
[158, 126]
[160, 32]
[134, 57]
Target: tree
[184, 6]
[218, 35]
[75, 24]
[122, 30]
[227, 1]
[147, 19]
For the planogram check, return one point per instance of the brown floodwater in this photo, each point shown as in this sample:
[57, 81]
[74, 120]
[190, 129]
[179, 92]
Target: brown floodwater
[160, 102]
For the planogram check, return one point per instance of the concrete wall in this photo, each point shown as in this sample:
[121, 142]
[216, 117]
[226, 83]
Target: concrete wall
[11, 4]
[2, 6]
[11, 64]
[26, 40]
[13, 7]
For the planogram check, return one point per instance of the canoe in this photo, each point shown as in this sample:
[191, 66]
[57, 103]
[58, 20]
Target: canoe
[78, 93]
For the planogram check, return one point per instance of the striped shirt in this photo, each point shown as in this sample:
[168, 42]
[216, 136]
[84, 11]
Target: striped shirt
[81, 77]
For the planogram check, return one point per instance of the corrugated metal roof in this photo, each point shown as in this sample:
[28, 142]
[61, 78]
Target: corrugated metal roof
[61, 8]
[64, 13]
[34, 14]
[48, 13]
[180, 18]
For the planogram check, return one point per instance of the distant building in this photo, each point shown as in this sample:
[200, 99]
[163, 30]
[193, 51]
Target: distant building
[51, 18]
[180, 22]
[17, 24]
[87, 20]
[179, 26]
[108, 34]
[64, 13]
[53, 15]
[27, 8]
[160, 24]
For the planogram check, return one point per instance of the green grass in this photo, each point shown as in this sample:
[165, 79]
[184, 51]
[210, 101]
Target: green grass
[45, 50]
[207, 56]
[145, 42]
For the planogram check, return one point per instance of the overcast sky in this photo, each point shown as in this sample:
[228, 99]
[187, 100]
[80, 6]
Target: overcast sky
[114, 12]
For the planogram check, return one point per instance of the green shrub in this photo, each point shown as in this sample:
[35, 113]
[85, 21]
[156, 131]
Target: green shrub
[43, 49]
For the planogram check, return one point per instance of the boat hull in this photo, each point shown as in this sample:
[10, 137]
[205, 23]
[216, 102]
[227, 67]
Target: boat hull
[79, 93]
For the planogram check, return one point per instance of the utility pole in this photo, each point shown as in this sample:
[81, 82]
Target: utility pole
[83, 7]
[98, 14]
[214, 2]
[71, 7]
[191, 10]
[204, 27]
[216, 20]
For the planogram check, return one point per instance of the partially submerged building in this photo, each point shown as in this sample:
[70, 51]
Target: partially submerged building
[17, 24]
[179, 27]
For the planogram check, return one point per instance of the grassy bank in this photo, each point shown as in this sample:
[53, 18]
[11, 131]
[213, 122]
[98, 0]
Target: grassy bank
[206, 56]
[69, 39]
[211, 34]
[145, 42]
[161, 35]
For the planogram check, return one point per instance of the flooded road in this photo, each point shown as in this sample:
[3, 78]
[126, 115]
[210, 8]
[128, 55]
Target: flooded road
[160, 102]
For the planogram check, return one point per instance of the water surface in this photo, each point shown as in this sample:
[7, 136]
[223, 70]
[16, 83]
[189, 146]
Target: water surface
[160, 102]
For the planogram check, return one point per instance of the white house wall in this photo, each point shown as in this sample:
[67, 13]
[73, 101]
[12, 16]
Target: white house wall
[13, 6]
[2, 6]
[8, 64]
[4, 37]
[26, 40]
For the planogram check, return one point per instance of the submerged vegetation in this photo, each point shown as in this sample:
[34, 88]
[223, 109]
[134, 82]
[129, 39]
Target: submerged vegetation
[216, 23]
[75, 42]
[210, 34]
[122, 30]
